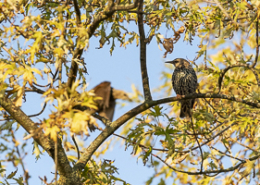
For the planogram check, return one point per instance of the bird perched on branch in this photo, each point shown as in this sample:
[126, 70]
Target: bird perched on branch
[184, 81]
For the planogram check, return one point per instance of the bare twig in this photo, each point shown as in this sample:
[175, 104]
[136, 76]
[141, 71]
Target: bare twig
[56, 161]
[227, 154]
[34, 89]
[196, 138]
[143, 146]
[26, 175]
[33, 115]
[9, 52]
[42, 85]
[75, 143]
[243, 145]
[139, 12]
[257, 45]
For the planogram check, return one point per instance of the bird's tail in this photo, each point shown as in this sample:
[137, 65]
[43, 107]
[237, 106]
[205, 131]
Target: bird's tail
[186, 107]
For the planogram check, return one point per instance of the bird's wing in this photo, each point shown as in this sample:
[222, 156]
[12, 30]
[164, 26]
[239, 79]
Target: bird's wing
[192, 81]
[103, 90]
[109, 112]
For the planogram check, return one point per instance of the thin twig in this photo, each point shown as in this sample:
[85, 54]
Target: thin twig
[60, 73]
[10, 53]
[35, 89]
[26, 175]
[33, 115]
[257, 45]
[244, 145]
[196, 138]
[42, 85]
[223, 10]
[227, 154]
[56, 160]
[76, 144]
[143, 146]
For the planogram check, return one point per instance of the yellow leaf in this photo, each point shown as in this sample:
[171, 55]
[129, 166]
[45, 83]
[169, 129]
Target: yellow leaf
[36, 150]
[19, 98]
[28, 76]
[52, 132]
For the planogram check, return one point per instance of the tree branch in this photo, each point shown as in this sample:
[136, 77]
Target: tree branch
[110, 9]
[26, 123]
[106, 14]
[207, 171]
[78, 16]
[109, 130]
[37, 134]
[78, 51]
[222, 74]
[145, 79]
[126, 6]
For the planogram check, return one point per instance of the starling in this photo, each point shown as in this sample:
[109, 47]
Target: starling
[184, 81]
[106, 106]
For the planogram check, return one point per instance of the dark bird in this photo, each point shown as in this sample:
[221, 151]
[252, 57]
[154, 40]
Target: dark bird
[184, 81]
[106, 106]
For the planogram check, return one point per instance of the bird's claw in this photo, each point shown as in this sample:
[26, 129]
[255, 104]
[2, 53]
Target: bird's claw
[179, 96]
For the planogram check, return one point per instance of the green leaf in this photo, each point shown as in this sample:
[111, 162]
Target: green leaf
[11, 175]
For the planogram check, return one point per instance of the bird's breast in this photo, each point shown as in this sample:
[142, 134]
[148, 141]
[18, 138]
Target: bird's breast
[181, 74]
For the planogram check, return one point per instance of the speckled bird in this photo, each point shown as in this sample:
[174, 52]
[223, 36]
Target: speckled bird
[184, 81]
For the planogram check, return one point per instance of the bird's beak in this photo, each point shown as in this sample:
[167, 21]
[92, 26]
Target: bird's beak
[170, 62]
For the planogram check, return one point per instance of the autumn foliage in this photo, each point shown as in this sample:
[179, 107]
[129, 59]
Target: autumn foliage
[224, 128]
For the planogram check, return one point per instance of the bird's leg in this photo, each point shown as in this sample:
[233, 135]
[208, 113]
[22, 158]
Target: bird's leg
[179, 96]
